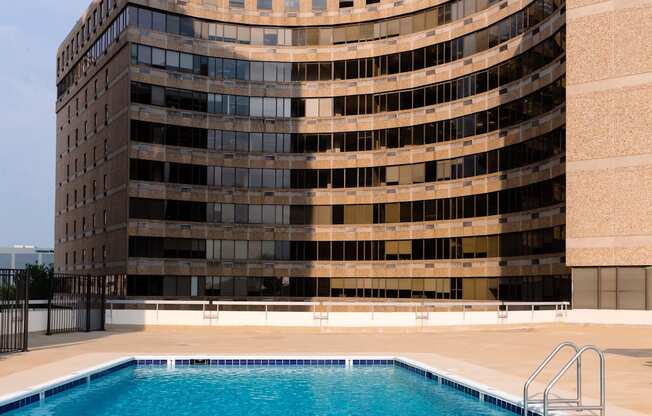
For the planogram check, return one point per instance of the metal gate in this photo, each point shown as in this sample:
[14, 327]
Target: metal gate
[14, 310]
[76, 303]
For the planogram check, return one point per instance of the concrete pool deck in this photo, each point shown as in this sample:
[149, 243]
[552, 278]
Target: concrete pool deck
[498, 356]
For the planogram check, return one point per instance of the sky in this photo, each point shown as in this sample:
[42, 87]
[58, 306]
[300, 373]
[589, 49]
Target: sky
[30, 32]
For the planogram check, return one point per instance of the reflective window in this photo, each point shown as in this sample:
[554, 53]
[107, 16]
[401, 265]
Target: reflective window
[379, 29]
[291, 5]
[506, 115]
[476, 83]
[542, 241]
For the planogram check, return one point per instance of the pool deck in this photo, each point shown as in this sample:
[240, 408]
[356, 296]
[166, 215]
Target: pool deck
[499, 356]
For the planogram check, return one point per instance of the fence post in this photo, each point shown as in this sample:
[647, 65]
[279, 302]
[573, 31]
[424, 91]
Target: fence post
[26, 311]
[103, 308]
[88, 303]
[50, 292]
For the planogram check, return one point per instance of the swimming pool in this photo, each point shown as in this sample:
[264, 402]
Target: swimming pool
[270, 387]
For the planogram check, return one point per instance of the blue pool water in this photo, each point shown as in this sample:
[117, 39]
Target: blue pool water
[265, 391]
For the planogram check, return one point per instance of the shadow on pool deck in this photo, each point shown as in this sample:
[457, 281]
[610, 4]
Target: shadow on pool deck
[631, 352]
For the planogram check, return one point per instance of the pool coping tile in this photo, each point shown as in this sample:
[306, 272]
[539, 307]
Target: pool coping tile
[473, 389]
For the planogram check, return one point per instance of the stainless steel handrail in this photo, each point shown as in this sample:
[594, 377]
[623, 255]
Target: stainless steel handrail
[580, 407]
[553, 354]
[407, 305]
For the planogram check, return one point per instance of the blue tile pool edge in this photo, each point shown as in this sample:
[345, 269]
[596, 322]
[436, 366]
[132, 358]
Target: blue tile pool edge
[478, 391]
[40, 392]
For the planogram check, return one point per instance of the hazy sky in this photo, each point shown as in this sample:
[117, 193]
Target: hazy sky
[30, 32]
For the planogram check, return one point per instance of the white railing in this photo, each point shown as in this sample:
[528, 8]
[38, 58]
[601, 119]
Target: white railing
[330, 313]
[333, 313]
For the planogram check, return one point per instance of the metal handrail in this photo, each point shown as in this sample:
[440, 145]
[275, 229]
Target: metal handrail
[579, 407]
[553, 354]
[330, 303]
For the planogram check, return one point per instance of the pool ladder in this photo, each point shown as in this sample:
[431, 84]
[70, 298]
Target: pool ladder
[561, 404]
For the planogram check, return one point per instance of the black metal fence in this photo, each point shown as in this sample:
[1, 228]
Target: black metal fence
[14, 310]
[76, 303]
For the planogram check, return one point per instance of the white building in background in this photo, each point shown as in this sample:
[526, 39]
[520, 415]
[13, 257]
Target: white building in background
[19, 256]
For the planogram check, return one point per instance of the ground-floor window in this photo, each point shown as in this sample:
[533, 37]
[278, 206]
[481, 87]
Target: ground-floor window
[525, 288]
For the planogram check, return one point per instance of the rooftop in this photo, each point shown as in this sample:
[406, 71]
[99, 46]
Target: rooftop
[501, 357]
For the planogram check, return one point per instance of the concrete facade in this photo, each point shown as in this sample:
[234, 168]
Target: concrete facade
[454, 182]
[609, 161]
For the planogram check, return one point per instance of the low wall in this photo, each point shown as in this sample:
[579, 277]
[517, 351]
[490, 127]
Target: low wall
[609, 317]
[38, 318]
[332, 319]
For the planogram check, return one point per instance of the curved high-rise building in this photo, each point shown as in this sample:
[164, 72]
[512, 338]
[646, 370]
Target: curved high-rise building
[315, 148]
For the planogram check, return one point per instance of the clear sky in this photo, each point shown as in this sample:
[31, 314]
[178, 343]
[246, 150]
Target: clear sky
[30, 32]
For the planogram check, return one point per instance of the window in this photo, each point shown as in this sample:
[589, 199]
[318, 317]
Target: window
[291, 5]
[241, 177]
[242, 70]
[242, 138]
[185, 62]
[241, 213]
[269, 107]
[229, 68]
[144, 18]
[318, 5]
[346, 3]
[256, 71]
[270, 37]
[269, 142]
[264, 4]
[256, 106]
[172, 24]
[269, 71]
[269, 178]
[158, 57]
[158, 22]
[186, 26]
[172, 60]
[238, 4]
